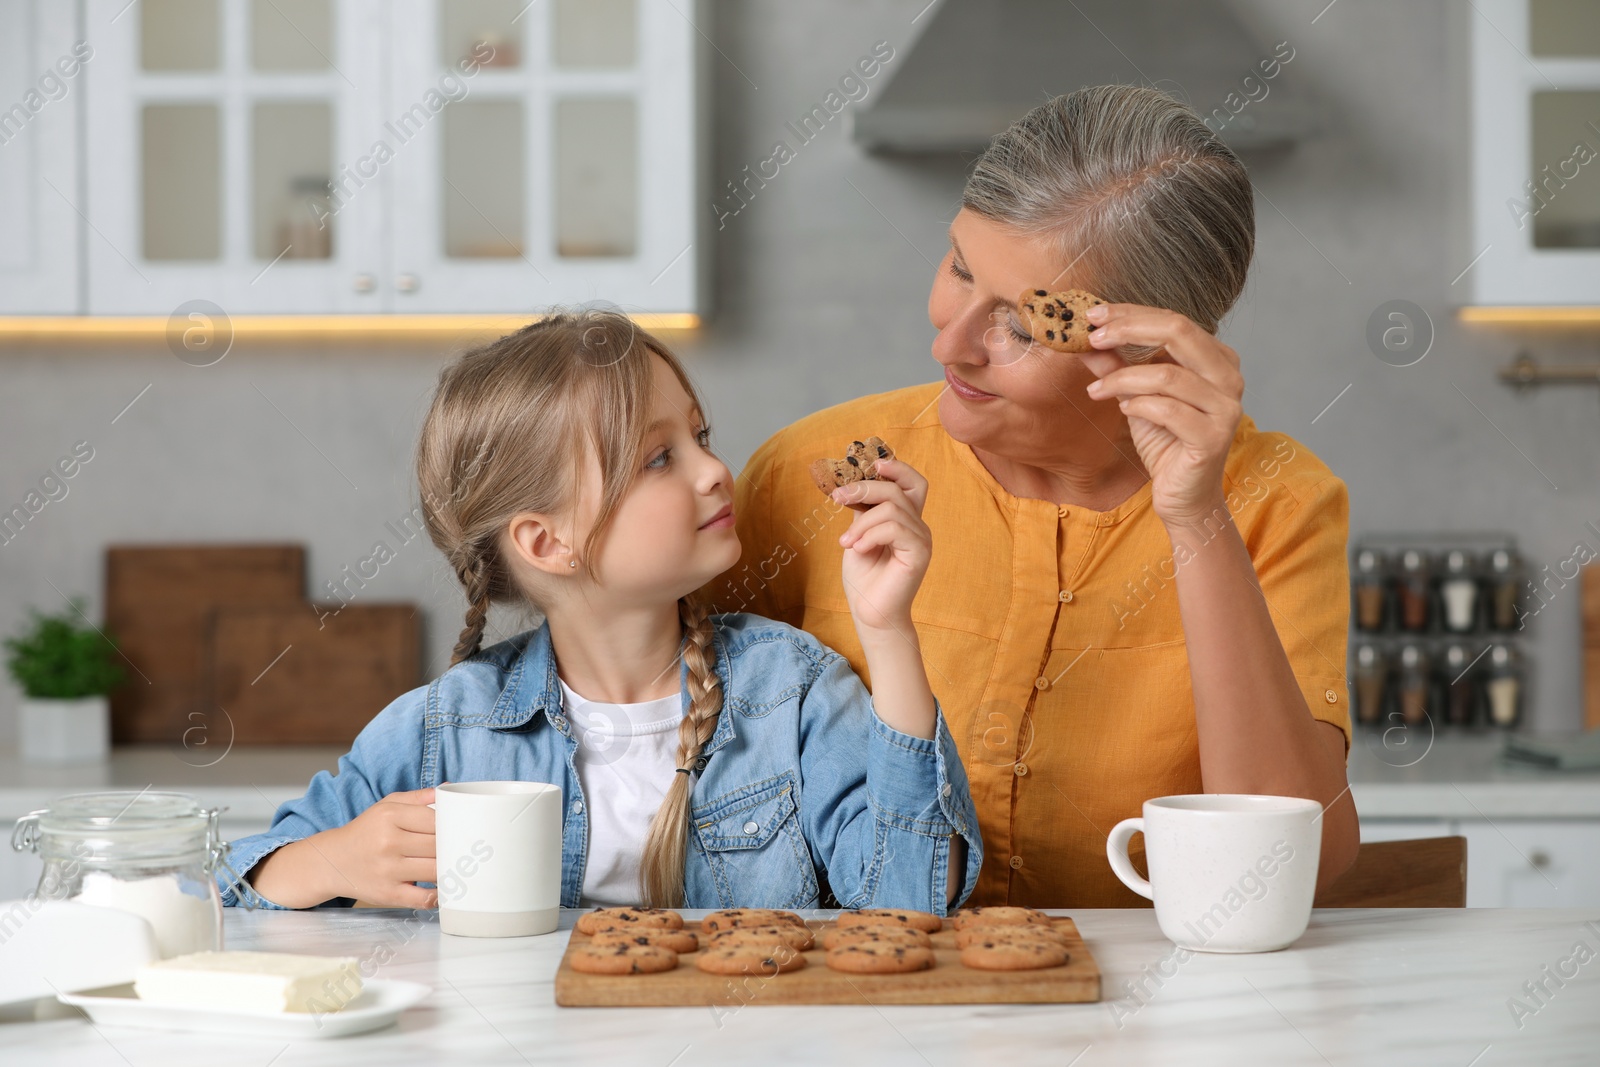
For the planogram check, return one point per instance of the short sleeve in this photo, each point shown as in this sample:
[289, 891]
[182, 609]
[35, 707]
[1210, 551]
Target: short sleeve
[1302, 565]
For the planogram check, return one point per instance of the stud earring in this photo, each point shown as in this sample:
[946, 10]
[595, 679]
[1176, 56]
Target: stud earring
[572, 563]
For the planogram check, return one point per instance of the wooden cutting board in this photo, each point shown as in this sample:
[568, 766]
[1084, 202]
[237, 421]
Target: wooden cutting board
[1591, 646]
[158, 599]
[308, 674]
[947, 982]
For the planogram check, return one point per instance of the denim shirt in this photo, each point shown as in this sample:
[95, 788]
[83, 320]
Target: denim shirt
[803, 786]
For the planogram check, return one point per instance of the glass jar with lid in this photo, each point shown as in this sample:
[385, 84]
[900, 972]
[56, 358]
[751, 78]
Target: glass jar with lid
[149, 853]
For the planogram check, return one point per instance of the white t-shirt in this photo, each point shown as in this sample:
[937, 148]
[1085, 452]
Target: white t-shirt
[626, 757]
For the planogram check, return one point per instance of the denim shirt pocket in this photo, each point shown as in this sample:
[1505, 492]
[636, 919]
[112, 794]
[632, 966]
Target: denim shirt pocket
[751, 842]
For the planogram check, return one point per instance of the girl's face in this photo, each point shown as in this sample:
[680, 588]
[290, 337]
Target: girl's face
[673, 531]
[1004, 393]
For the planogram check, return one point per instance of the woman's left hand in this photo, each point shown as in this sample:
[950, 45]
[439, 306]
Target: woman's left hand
[886, 548]
[1183, 414]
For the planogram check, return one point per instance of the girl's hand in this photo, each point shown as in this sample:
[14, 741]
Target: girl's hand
[886, 548]
[381, 855]
[1183, 410]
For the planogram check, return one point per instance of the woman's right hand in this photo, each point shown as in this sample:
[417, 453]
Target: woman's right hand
[376, 858]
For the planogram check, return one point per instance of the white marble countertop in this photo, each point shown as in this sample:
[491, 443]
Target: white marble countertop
[1361, 987]
[1460, 776]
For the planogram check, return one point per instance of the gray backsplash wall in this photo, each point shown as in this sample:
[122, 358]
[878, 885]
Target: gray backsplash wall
[822, 284]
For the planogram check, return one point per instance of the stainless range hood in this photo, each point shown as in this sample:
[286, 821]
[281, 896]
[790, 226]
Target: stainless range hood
[979, 65]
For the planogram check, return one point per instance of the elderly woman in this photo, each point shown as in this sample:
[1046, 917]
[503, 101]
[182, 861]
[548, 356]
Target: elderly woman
[1134, 592]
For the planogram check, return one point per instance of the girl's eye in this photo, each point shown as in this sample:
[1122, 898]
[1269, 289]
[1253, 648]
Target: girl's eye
[958, 271]
[660, 461]
[704, 437]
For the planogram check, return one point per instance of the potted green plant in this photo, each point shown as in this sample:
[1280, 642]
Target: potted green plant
[65, 668]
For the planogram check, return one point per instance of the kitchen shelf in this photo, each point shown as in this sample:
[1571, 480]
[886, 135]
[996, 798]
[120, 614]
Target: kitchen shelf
[52, 328]
[1566, 316]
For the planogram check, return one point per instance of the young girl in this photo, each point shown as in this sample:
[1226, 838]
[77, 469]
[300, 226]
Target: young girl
[706, 761]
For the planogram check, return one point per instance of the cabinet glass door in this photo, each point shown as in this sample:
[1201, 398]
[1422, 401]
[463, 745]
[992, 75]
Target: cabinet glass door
[521, 181]
[230, 134]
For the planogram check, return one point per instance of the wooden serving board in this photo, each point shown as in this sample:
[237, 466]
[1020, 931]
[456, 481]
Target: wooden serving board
[309, 674]
[946, 982]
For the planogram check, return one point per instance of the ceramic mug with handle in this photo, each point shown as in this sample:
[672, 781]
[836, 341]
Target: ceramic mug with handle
[498, 847]
[1229, 872]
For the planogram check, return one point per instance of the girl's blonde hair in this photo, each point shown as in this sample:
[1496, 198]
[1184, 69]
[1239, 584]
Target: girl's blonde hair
[1160, 211]
[510, 428]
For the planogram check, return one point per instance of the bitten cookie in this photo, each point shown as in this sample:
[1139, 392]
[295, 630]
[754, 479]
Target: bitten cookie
[731, 917]
[800, 938]
[860, 463]
[1057, 320]
[593, 922]
[903, 917]
[1012, 954]
[1022, 932]
[999, 915]
[749, 957]
[622, 958]
[877, 957]
[676, 940]
[888, 935]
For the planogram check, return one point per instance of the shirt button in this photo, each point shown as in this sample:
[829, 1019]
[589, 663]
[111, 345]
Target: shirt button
[1016, 863]
[1061, 512]
[1065, 596]
[944, 790]
[577, 807]
[1331, 697]
[1041, 682]
[1021, 769]
[751, 827]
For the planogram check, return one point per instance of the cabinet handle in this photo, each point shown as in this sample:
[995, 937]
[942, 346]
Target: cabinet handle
[365, 283]
[407, 283]
[1539, 859]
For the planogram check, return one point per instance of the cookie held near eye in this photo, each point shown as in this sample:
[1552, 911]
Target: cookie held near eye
[1058, 320]
[859, 463]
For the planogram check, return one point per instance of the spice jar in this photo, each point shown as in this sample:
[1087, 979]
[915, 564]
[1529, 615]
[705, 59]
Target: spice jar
[1416, 685]
[1458, 593]
[1460, 687]
[1504, 686]
[1371, 579]
[1372, 679]
[152, 854]
[1504, 581]
[1414, 590]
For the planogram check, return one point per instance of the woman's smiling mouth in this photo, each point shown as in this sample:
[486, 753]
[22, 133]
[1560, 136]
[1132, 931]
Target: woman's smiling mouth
[962, 389]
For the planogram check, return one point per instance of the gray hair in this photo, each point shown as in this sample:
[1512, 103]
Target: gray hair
[1147, 204]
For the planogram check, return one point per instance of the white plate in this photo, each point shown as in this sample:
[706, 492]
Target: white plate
[380, 1003]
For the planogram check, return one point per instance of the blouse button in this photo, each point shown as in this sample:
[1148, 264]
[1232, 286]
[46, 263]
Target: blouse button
[1041, 682]
[1331, 697]
[944, 790]
[1065, 596]
[577, 807]
[1016, 863]
[751, 827]
[1021, 769]
[1061, 512]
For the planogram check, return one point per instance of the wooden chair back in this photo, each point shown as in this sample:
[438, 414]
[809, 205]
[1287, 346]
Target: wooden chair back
[1428, 872]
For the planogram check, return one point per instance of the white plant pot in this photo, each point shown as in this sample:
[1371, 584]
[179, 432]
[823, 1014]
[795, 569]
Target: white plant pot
[66, 731]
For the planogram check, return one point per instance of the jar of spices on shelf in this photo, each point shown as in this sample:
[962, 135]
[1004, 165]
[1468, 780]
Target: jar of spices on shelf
[1460, 687]
[1504, 686]
[1372, 682]
[1458, 593]
[1371, 581]
[1503, 584]
[1416, 685]
[1414, 590]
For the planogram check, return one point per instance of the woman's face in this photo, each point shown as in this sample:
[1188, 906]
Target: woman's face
[1005, 394]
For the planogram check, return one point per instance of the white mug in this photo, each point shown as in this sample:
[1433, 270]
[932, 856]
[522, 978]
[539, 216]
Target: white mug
[1229, 872]
[499, 858]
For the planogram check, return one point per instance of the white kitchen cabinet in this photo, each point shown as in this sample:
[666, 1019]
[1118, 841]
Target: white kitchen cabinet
[1534, 74]
[44, 62]
[1532, 864]
[1403, 829]
[374, 156]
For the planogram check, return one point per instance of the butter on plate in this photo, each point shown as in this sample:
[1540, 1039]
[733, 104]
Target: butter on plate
[251, 981]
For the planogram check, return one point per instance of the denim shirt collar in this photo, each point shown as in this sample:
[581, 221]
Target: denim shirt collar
[534, 688]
